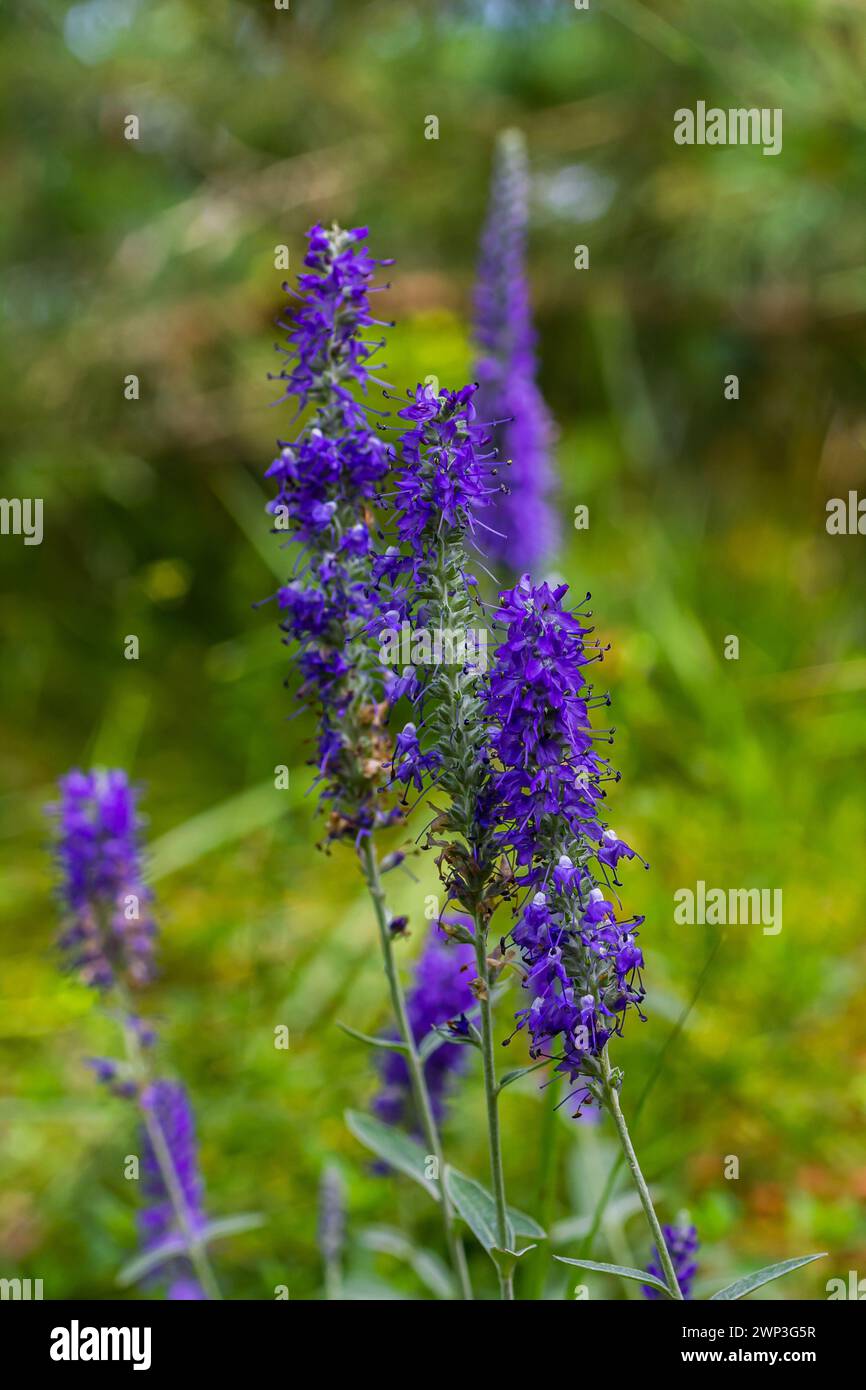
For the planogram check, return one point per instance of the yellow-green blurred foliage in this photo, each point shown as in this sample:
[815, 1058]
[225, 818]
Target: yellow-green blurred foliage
[707, 518]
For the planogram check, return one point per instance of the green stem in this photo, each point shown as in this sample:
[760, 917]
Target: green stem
[491, 1089]
[616, 1167]
[612, 1097]
[333, 1281]
[548, 1147]
[195, 1248]
[370, 866]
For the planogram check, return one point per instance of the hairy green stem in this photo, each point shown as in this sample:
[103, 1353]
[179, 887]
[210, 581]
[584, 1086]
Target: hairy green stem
[616, 1167]
[611, 1093]
[491, 1089]
[370, 866]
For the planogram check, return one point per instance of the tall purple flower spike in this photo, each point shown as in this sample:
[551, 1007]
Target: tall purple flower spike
[506, 368]
[326, 479]
[582, 962]
[108, 931]
[441, 994]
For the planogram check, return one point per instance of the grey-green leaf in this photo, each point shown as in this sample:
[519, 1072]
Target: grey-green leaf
[231, 1226]
[438, 1037]
[151, 1259]
[395, 1147]
[526, 1225]
[477, 1208]
[389, 1043]
[511, 1076]
[749, 1282]
[136, 1269]
[640, 1276]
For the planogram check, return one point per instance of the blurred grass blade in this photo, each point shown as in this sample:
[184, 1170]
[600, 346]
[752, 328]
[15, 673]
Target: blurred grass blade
[230, 820]
[432, 1271]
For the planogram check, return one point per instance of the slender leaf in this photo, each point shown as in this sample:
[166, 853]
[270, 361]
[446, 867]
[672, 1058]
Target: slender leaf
[150, 1260]
[395, 1147]
[440, 1035]
[231, 1226]
[511, 1076]
[390, 1044]
[640, 1276]
[749, 1282]
[436, 1038]
[136, 1268]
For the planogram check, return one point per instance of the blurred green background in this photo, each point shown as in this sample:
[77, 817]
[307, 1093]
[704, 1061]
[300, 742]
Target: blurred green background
[156, 257]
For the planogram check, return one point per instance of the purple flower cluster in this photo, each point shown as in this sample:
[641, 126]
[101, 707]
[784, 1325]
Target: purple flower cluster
[682, 1243]
[327, 348]
[327, 480]
[108, 934]
[442, 478]
[524, 525]
[336, 460]
[582, 963]
[167, 1110]
[443, 484]
[441, 994]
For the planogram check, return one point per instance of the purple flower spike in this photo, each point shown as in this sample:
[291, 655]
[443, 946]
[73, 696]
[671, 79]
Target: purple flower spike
[108, 932]
[186, 1290]
[523, 521]
[441, 994]
[326, 481]
[167, 1109]
[581, 960]
[682, 1242]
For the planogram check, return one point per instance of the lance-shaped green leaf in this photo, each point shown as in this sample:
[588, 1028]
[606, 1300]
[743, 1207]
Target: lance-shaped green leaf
[150, 1260]
[520, 1223]
[526, 1225]
[640, 1276]
[477, 1208]
[395, 1147]
[390, 1044]
[741, 1287]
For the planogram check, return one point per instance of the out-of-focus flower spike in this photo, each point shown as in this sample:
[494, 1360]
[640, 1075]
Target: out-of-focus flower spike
[523, 523]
